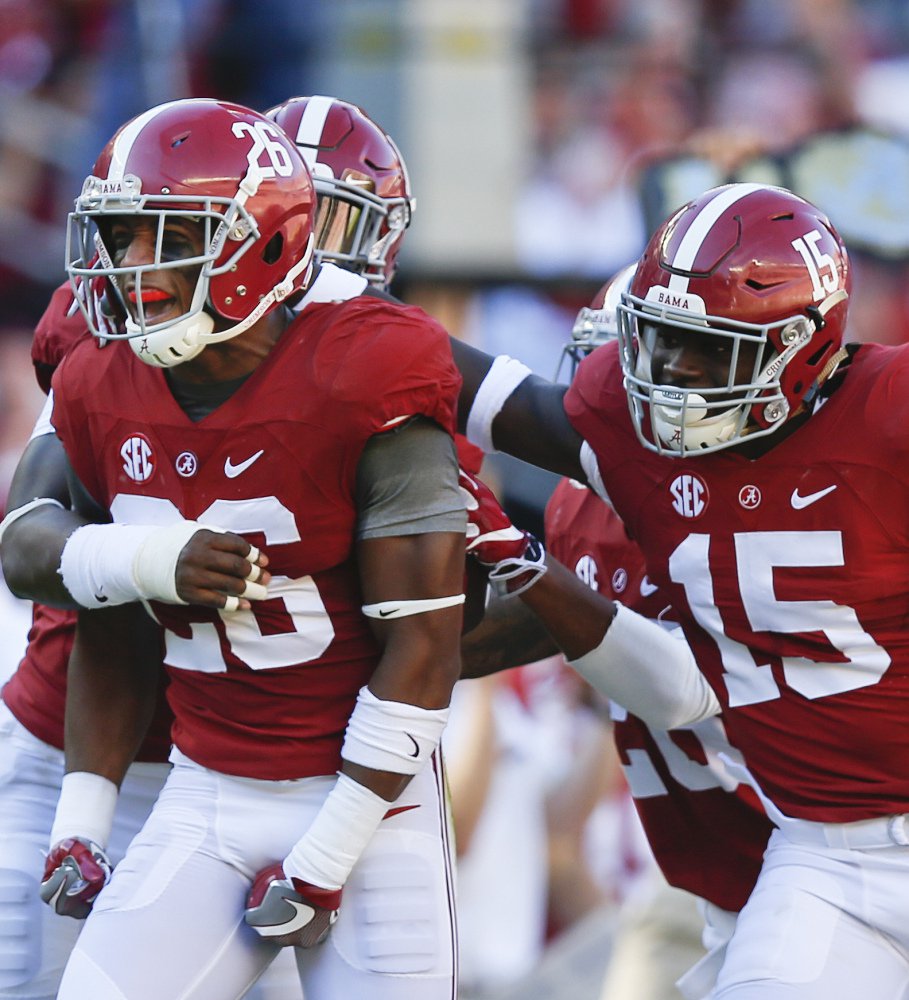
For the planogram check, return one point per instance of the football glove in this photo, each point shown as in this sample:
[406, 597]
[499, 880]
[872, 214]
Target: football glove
[289, 911]
[75, 871]
[516, 558]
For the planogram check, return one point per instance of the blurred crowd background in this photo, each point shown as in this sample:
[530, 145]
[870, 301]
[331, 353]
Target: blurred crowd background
[545, 139]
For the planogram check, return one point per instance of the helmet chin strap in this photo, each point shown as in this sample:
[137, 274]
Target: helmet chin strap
[688, 425]
[182, 341]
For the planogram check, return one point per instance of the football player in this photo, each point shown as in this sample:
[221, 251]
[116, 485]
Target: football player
[705, 827]
[365, 198]
[323, 434]
[759, 464]
[360, 176]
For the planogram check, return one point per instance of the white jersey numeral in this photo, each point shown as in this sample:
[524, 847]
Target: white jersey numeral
[312, 630]
[757, 554]
[644, 779]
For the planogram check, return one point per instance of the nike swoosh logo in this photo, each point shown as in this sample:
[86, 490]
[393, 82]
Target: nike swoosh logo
[648, 588]
[416, 746]
[397, 810]
[302, 915]
[232, 471]
[799, 502]
[385, 614]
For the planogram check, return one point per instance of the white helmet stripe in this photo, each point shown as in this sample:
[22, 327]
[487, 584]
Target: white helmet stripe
[125, 140]
[700, 228]
[312, 122]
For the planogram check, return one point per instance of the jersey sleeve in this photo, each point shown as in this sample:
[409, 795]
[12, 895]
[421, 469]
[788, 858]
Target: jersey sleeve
[61, 326]
[73, 382]
[400, 359]
[592, 393]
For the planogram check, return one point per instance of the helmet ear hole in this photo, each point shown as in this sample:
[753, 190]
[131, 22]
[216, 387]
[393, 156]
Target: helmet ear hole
[273, 249]
[819, 353]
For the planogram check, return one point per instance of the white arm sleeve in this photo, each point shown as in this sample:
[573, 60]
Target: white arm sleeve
[648, 671]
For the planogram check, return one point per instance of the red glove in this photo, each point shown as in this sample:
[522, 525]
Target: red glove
[516, 557]
[75, 871]
[289, 911]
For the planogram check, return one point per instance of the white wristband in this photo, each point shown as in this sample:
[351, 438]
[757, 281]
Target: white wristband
[85, 808]
[325, 854]
[504, 376]
[648, 671]
[392, 735]
[107, 564]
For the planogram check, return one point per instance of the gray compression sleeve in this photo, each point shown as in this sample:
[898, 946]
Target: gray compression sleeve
[407, 483]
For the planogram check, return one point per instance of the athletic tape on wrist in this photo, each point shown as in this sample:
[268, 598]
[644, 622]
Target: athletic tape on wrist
[103, 565]
[26, 508]
[401, 609]
[392, 735]
[504, 376]
[648, 671]
[85, 808]
[345, 824]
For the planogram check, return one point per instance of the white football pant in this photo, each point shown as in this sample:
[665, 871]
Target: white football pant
[34, 941]
[823, 923]
[170, 923]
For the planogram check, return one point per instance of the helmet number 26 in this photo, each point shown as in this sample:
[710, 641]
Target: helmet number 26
[265, 140]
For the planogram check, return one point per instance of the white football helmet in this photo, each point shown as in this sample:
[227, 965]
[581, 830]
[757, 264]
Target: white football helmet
[597, 323]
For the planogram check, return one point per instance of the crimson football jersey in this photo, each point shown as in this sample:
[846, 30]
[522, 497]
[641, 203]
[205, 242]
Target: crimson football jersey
[264, 693]
[36, 692]
[790, 575]
[707, 832]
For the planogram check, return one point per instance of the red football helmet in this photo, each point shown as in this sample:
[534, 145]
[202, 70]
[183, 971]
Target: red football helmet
[234, 172]
[365, 204]
[597, 323]
[758, 268]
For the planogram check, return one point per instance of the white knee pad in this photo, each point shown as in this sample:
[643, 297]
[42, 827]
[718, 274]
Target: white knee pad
[34, 942]
[20, 929]
[392, 919]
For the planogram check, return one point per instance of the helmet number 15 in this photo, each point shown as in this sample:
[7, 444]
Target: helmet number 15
[821, 266]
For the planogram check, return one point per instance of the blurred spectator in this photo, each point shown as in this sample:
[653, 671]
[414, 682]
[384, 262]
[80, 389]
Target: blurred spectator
[546, 833]
[45, 52]
[20, 401]
[504, 747]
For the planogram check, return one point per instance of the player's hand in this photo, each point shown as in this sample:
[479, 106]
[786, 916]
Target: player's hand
[290, 912]
[516, 558]
[75, 871]
[218, 569]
